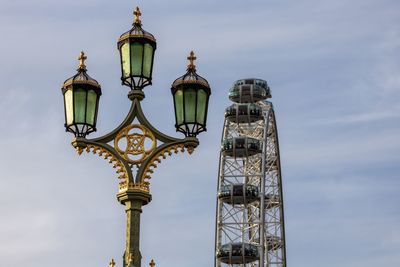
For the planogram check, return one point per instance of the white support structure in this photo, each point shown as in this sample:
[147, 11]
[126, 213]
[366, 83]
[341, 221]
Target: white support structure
[250, 220]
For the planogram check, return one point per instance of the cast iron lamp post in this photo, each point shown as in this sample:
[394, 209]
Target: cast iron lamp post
[135, 143]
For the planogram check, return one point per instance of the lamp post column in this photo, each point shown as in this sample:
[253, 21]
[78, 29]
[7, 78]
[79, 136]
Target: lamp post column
[133, 202]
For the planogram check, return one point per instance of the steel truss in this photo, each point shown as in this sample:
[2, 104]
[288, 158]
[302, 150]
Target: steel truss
[261, 222]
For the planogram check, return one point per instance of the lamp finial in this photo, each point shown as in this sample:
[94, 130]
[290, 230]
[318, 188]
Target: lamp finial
[192, 57]
[82, 59]
[137, 14]
[152, 263]
[112, 263]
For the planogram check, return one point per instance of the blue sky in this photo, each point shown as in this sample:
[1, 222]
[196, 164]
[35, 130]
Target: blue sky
[334, 73]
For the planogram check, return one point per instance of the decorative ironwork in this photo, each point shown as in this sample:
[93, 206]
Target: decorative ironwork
[136, 146]
[137, 15]
[191, 59]
[82, 59]
[145, 186]
[156, 159]
[135, 143]
[107, 155]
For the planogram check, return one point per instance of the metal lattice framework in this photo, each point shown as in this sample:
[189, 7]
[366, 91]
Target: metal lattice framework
[251, 223]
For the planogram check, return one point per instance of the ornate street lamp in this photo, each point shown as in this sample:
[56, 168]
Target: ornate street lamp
[135, 144]
[136, 48]
[81, 101]
[191, 93]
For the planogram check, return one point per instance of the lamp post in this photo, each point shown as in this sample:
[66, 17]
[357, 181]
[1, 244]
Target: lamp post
[135, 142]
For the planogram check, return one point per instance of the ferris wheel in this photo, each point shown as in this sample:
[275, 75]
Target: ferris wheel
[250, 228]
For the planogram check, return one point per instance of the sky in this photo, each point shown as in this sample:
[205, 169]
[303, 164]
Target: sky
[333, 68]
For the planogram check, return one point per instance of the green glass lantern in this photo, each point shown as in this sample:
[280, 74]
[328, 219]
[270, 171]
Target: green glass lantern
[81, 101]
[137, 48]
[191, 93]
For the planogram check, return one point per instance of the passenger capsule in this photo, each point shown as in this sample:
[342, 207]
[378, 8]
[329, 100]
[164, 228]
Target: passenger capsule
[238, 194]
[241, 147]
[244, 113]
[249, 91]
[238, 253]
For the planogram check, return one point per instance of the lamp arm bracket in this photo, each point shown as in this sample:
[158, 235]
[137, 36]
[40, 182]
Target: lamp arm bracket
[128, 120]
[159, 135]
[135, 112]
[108, 153]
[147, 167]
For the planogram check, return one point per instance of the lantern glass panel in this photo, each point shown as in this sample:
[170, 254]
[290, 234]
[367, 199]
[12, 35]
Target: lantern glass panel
[190, 105]
[91, 107]
[69, 107]
[80, 105]
[201, 106]
[136, 58]
[126, 66]
[178, 97]
[147, 60]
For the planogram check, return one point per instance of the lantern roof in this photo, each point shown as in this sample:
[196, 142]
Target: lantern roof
[137, 31]
[191, 77]
[81, 77]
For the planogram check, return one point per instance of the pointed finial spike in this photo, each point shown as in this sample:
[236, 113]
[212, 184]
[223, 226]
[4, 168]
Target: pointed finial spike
[82, 59]
[79, 150]
[112, 263]
[190, 150]
[137, 14]
[192, 57]
[152, 263]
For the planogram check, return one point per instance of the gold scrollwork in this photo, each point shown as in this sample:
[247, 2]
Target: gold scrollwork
[135, 186]
[138, 143]
[157, 159]
[102, 152]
